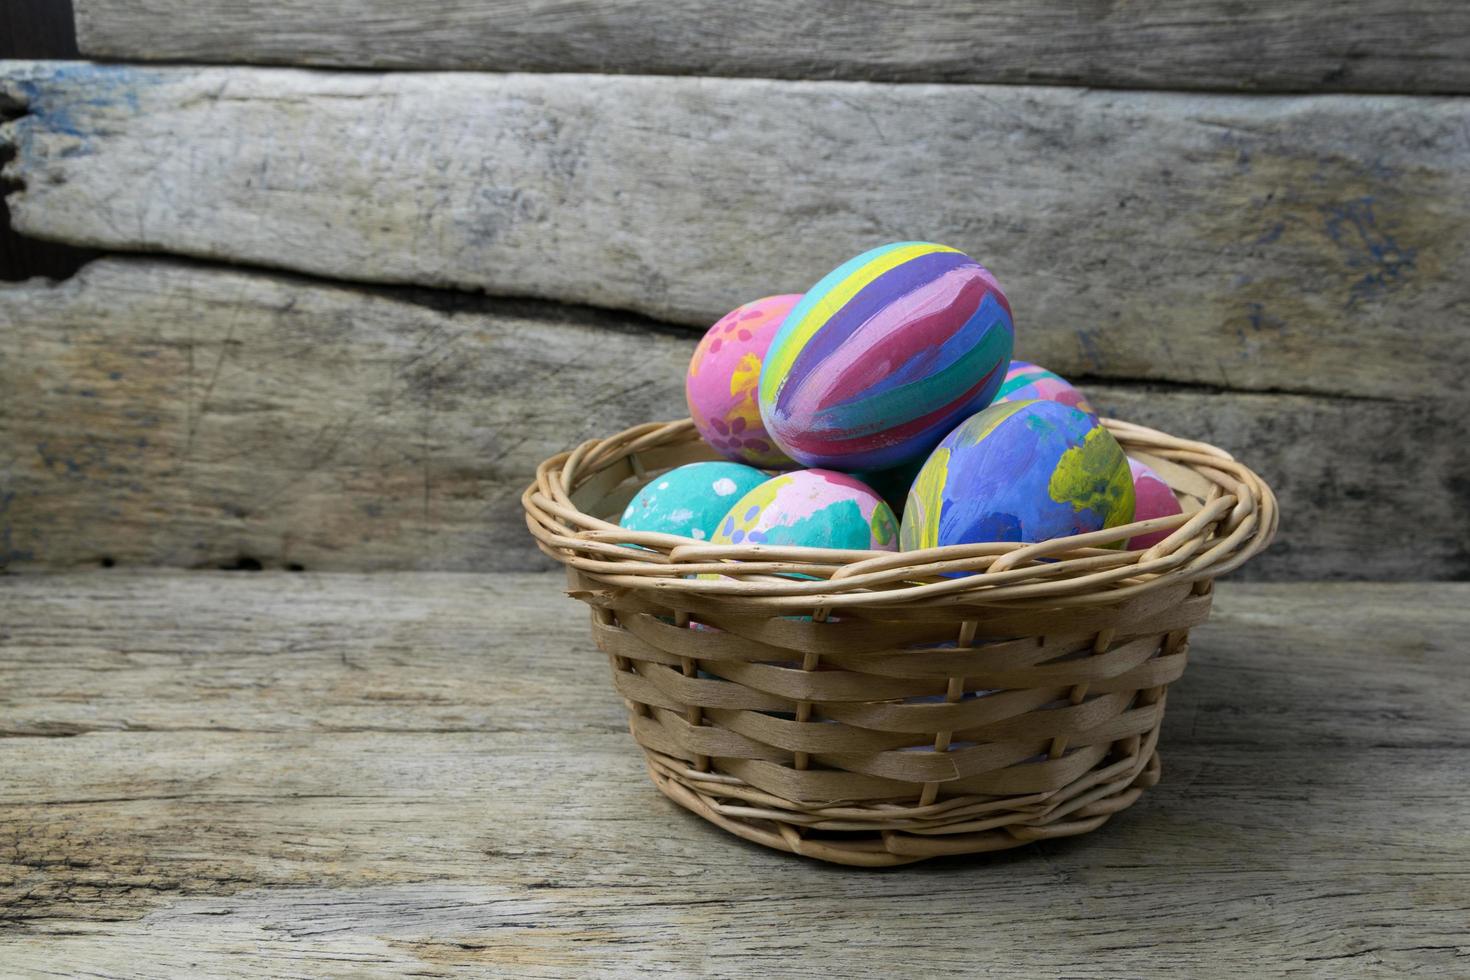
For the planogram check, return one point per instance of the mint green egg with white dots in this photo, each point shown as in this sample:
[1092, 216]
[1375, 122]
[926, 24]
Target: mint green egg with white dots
[691, 499]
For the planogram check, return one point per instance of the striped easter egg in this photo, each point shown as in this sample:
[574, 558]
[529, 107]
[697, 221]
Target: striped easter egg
[1026, 382]
[884, 355]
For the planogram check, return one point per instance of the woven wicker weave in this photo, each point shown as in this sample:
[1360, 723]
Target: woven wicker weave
[880, 712]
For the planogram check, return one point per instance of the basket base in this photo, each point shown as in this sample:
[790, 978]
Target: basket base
[914, 833]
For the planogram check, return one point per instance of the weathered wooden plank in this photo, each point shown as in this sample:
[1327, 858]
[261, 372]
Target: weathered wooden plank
[36, 30]
[347, 653]
[225, 845]
[177, 415]
[1298, 45]
[1310, 244]
[163, 413]
[473, 852]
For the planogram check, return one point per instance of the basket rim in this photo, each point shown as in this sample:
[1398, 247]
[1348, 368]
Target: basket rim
[1235, 517]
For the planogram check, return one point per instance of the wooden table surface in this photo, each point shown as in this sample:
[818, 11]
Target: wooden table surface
[275, 774]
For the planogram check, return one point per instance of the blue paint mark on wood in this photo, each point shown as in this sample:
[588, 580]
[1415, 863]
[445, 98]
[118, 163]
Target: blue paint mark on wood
[62, 98]
[1260, 321]
[1090, 348]
[1354, 227]
[74, 464]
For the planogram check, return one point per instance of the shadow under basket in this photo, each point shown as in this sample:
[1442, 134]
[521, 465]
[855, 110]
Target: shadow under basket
[871, 708]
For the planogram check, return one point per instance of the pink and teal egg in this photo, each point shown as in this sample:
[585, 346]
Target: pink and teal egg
[1154, 499]
[1019, 471]
[690, 500]
[1028, 382]
[884, 356]
[811, 509]
[723, 379]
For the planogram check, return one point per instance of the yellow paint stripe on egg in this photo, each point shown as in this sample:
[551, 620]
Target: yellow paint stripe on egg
[994, 416]
[928, 486]
[838, 297]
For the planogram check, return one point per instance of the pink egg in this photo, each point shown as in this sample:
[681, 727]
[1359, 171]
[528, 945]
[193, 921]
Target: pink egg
[1026, 381]
[724, 379]
[1152, 498]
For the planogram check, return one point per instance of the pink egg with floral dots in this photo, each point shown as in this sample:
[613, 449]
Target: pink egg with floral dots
[1152, 498]
[724, 380]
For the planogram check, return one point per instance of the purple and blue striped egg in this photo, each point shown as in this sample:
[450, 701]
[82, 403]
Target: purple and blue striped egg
[1019, 471]
[884, 356]
[1154, 499]
[690, 500]
[811, 509]
[1026, 382]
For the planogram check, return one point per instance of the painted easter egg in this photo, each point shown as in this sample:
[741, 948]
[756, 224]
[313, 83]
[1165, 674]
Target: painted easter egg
[1019, 471]
[1154, 499]
[811, 509]
[723, 379]
[1026, 382]
[884, 356]
[690, 500]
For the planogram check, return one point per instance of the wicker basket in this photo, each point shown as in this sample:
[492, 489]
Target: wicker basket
[880, 712]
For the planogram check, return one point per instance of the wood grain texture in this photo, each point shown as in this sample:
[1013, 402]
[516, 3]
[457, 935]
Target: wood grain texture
[178, 415]
[1278, 244]
[340, 775]
[36, 29]
[1297, 45]
[166, 413]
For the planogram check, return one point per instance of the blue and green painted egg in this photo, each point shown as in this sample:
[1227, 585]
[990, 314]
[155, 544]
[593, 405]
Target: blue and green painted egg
[811, 509]
[1019, 471]
[691, 499]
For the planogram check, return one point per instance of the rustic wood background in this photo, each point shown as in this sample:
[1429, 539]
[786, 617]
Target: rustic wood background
[306, 312]
[1285, 45]
[372, 300]
[344, 775]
